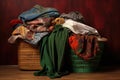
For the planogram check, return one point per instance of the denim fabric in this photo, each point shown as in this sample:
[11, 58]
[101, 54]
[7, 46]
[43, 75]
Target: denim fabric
[37, 38]
[38, 11]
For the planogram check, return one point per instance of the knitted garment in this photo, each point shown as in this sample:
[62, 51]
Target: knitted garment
[84, 46]
[52, 51]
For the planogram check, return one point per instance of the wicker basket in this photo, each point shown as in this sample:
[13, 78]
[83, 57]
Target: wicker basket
[28, 57]
[80, 65]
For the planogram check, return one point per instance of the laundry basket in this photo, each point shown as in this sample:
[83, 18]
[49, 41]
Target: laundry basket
[80, 65]
[28, 57]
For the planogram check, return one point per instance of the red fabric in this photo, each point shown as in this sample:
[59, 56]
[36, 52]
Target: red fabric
[15, 22]
[84, 46]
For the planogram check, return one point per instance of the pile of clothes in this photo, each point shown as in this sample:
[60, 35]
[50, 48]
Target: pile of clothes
[55, 34]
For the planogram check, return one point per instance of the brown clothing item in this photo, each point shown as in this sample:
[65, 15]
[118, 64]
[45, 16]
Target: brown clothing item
[58, 21]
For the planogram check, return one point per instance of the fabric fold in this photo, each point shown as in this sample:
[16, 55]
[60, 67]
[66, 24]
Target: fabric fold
[52, 50]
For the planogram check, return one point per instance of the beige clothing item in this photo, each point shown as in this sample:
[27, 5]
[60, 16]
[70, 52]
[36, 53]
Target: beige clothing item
[79, 28]
[21, 32]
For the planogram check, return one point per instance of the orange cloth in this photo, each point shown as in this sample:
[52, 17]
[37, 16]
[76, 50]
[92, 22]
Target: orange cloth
[20, 30]
[58, 21]
[85, 46]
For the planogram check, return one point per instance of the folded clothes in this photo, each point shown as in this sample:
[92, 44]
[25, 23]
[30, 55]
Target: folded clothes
[39, 24]
[38, 11]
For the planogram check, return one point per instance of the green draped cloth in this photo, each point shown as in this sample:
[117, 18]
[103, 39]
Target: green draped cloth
[53, 49]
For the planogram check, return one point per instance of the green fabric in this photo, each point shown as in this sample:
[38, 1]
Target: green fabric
[52, 50]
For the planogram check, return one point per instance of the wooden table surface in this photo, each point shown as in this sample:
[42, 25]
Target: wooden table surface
[12, 72]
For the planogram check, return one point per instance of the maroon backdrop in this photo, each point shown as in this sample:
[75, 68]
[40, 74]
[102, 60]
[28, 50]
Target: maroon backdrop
[104, 15]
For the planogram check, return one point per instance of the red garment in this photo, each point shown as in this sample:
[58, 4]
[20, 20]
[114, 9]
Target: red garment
[15, 22]
[85, 46]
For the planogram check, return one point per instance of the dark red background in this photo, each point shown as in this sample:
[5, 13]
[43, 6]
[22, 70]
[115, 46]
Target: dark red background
[104, 15]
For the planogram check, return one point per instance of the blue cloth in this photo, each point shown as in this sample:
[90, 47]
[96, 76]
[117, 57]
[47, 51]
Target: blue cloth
[37, 38]
[38, 11]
